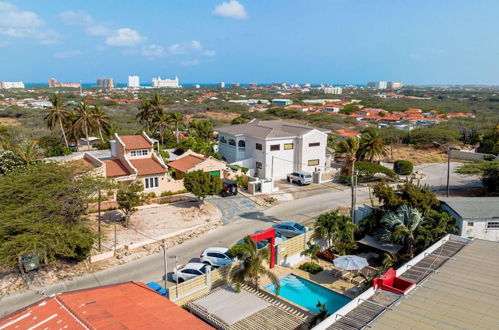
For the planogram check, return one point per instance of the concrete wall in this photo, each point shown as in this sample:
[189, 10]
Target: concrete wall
[308, 153]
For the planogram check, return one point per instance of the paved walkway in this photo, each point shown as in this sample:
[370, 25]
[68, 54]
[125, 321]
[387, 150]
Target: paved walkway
[233, 206]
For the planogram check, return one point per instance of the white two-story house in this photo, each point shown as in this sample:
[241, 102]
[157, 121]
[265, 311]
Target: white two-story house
[274, 148]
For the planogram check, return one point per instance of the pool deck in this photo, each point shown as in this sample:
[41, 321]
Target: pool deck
[323, 278]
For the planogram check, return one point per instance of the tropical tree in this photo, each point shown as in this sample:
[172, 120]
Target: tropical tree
[319, 316]
[349, 147]
[238, 120]
[128, 198]
[4, 136]
[401, 225]
[85, 122]
[57, 115]
[157, 104]
[145, 112]
[101, 121]
[372, 147]
[176, 118]
[161, 122]
[311, 251]
[202, 184]
[202, 129]
[27, 151]
[251, 265]
[338, 229]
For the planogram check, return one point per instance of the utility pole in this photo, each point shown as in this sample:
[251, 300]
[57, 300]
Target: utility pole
[115, 239]
[99, 221]
[448, 171]
[272, 169]
[165, 263]
[352, 186]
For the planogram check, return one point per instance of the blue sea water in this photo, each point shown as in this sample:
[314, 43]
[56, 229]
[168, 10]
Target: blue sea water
[307, 294]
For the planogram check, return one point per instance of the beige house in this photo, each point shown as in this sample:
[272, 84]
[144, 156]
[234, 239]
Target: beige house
[190, 161]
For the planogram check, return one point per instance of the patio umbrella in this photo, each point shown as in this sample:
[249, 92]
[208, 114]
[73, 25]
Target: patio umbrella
[350, 262]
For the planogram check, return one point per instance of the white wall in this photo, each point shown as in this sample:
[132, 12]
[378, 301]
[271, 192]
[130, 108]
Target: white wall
[308, 153]
[478, 229]
[284, 161]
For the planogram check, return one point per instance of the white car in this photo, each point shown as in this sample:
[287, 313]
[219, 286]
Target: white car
[216, 256]
[189, 271]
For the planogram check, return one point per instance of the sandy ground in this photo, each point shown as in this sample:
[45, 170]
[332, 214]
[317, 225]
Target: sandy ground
[418, 156]
[9, 121]
[154, 221]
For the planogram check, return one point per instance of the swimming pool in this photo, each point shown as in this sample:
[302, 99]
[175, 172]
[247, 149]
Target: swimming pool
[306, 294]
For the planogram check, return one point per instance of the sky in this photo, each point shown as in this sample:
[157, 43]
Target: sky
[209, 41]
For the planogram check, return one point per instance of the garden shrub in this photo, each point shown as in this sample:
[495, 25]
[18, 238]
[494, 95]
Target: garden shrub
[242, 181]
[311, 267]
[367, 171]
[170, 193]
[403, 167]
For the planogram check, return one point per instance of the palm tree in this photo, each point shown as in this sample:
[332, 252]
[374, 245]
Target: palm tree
[319, 316]
[350, 147]
[157, 103]
[401, 226]
[27, 151]
[145, 112]
[311, 251]
[251, 266]
[372, 146]
[85, 122]
[161, 122]
[202, 129]
[101, 121]
[57, 115]
[338, 229]
[176, 118]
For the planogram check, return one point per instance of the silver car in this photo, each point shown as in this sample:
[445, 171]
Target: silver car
[300, 177]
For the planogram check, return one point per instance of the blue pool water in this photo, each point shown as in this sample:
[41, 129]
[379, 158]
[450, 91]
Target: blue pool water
[306, 294]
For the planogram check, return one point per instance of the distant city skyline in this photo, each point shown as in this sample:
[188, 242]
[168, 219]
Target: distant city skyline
[321, 41]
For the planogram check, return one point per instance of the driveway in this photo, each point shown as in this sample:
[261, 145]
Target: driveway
[233, 206]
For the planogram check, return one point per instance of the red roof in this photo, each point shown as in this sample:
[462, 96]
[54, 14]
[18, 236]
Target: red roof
[114, 167]
[130, 305]
[184, 164]
[147, 166]
[134, 142]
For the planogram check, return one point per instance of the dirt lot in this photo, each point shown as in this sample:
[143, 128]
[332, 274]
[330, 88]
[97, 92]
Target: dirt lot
[222, 116]
[9, 121]
[418, 156]
[156, 220]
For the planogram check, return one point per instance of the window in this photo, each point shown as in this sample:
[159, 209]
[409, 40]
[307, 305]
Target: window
[288, 146]
[314, 144]
[258, 165]
[493, 225]
[232, 142]
[258, 146]
[313, 162]
[136, 153]
[222, 139]
[275, 147]
[241, 144]
[152, 182]
[470, 223]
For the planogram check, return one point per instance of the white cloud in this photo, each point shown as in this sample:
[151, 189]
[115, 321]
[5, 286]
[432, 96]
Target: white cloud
[68, 53]
[98, 30]
[17, 23]
[190, 62]
[80, 18]
[196, 45]
[124, 37]
[177, 49]
[12, 17]
[153, 51]
[232, 9]
[209, 53]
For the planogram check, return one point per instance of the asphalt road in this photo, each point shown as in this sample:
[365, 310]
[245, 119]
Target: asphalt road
[239, 222]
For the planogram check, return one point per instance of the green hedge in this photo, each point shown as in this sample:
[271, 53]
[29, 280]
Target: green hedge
[367, 171]
[311, 267]
[403, 167]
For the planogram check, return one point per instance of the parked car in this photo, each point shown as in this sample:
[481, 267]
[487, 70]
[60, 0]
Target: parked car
[229, 188]
[189, 271]
[158, 288]
[301, 178]
[279, 238]
[216, 256]
[290, 229]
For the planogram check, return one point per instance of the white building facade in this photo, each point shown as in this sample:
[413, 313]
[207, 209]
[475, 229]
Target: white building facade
[165, 83]
[11, 84]
[133, 81]
[272, 149]
[333, 90]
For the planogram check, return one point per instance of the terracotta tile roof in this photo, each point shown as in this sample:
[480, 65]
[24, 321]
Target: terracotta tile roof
[134, 142]
[147, 166]
[114, 168]
[184, 164]
[129, 305]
